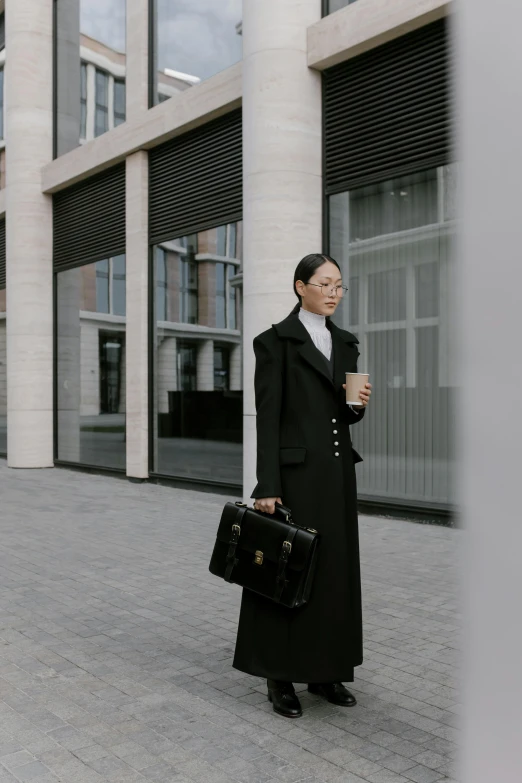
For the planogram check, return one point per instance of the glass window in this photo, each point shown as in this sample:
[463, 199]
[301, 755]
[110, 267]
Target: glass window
[187, 367]
[197, 397]
[232, 240]
[221, 296]
[83, 101]
[3, 373]
[221, 368]
[427, 290]
[111, 286]
[161, 284]
[90, 353]
[232, 320]
[387, 295]
[335, 5]
[102, 287]
[90, 70]
[394, 242]
[193, 40]
[189, 289]
[118, 285]
[101, 117]
[221, 241]
[119, 101]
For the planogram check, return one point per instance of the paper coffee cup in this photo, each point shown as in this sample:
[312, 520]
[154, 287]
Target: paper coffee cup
[355, 381]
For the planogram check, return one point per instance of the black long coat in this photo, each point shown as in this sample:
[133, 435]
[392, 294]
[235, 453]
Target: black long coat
[305, 456]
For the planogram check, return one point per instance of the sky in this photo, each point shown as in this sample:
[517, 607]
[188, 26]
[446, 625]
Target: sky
[194, 36]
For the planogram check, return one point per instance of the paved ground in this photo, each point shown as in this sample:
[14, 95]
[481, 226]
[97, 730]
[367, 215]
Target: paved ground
[116, 647]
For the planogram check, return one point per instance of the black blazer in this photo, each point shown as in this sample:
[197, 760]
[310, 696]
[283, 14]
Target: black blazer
[301, 409]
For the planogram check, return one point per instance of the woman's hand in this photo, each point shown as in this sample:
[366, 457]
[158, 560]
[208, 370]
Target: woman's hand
[267, 505]
[364, 394]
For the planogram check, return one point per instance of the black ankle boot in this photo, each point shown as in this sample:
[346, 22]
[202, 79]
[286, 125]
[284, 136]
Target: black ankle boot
[334, 692]
[284, 699]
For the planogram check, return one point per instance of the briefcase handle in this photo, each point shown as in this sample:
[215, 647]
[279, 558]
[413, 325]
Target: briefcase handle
[281, 512]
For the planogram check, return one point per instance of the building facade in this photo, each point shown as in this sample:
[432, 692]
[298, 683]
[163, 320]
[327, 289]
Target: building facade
[166, 167]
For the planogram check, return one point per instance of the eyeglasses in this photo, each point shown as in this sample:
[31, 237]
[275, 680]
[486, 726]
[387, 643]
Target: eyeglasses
[329, 290]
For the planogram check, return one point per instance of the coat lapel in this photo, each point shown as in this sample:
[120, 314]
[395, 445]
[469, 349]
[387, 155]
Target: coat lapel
[345, 354]
[313, 356]
[292, 328]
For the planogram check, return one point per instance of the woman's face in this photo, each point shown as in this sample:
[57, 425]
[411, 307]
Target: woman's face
[314, 296]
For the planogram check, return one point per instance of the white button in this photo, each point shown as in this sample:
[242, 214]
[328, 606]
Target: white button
[336, 453]
[336, 443]
[335, 432]
[334, 421]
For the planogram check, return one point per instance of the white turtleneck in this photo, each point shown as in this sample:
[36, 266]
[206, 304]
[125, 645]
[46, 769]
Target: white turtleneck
[315, 325]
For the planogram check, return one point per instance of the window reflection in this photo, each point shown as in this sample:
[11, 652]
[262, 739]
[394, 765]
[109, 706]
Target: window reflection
[193, 40]
[394, 241]
[90, 70]
[198, 398]
[335, 5]
[90, 303]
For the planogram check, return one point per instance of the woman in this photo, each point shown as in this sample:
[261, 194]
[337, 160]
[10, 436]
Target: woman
[305, 460]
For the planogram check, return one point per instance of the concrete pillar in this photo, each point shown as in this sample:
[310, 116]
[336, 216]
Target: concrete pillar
[137, 366]
[29, 127]
[490, 371]
[205, 369]
[137, 47]
[137, 349]
[236, 378]
[282, 163]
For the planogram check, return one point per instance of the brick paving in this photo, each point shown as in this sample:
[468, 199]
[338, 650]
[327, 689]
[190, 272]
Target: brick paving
[116, 646]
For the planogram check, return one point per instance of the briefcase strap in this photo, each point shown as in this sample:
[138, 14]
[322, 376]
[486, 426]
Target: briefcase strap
[286, 550]
[232, 544]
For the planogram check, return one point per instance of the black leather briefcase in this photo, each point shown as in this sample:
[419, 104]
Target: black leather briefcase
[268, 554]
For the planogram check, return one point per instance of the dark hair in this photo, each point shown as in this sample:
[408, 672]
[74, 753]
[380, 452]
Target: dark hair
[308, 266]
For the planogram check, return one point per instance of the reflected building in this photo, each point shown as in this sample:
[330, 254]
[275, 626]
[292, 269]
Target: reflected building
[198, 400]
[91, 379]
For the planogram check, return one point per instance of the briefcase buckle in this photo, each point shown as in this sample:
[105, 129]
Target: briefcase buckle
[258, 559]
[287, 546]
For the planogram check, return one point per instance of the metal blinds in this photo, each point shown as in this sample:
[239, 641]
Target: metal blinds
[196, 180]
[386, 112]
[89, 219]
[2, 254]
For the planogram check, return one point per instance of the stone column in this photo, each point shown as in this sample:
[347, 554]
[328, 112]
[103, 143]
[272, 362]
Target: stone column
[137, 349]
[29, 128]
[282, 172]
[137, 366]
[205, 365]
